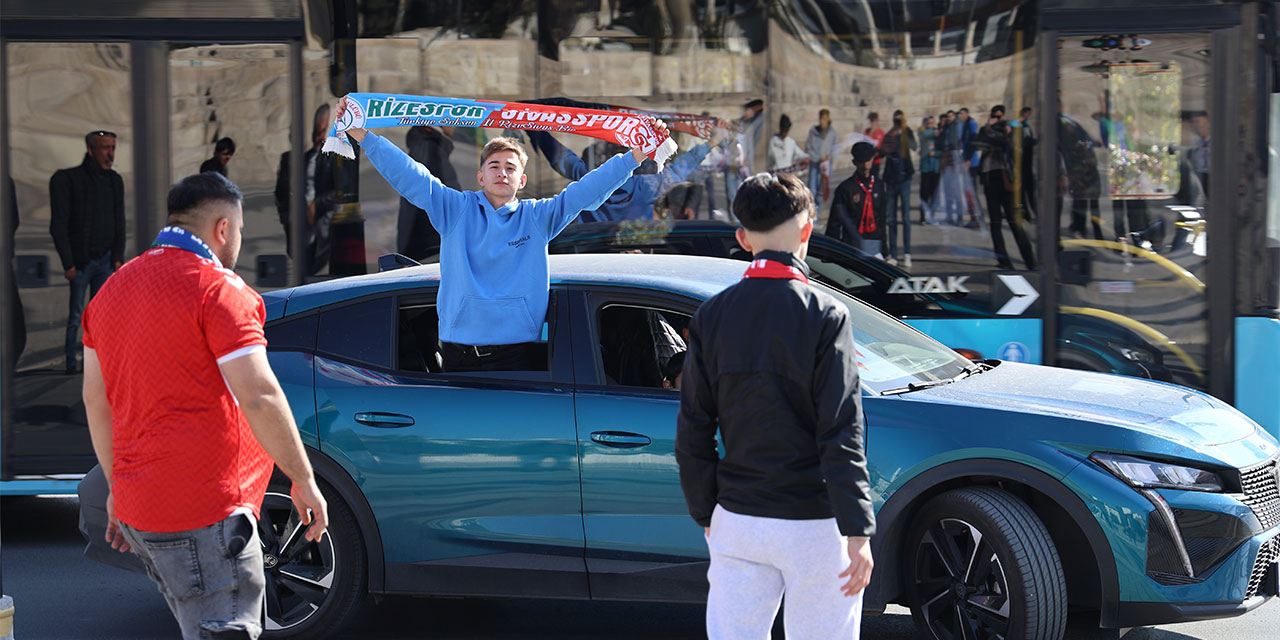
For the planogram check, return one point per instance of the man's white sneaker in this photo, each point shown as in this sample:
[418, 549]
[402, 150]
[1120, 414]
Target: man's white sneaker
[906, 261]
[892, 261]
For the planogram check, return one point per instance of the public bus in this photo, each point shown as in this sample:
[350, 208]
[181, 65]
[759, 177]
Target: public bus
[1141, 137]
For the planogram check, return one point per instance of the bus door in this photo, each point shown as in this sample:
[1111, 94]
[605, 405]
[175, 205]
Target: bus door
[1132, 184]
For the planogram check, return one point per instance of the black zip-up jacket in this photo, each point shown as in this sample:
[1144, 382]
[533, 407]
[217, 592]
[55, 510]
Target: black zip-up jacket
[846, 209]
[86, 214]
[771, 365]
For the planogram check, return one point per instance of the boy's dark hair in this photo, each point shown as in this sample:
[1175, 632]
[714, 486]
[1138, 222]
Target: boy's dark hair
[873, 116]
[194, 190]
[225, 144]
[784, 123]
[765, 201]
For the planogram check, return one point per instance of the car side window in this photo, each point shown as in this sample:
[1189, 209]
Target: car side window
[359, 332]
[641, 345]
[418, 348]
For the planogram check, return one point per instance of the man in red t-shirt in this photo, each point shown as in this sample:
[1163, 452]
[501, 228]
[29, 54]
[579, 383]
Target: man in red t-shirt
[187, 417]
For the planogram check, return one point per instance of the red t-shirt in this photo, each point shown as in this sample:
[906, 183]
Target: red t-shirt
[876, 134]
[184, 455]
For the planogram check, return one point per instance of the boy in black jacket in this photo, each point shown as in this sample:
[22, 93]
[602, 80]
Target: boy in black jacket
[771, 366]
[858, 206]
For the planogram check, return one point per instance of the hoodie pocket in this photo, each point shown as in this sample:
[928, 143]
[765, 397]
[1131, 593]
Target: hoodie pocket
[493, 312]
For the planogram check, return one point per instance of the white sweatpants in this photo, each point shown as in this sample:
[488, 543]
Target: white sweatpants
[755, 560]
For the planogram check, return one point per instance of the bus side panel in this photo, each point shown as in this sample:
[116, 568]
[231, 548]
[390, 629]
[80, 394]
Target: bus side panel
[1012, 339]
[1258, 371]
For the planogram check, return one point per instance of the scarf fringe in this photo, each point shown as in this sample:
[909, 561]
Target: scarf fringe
[340, 146]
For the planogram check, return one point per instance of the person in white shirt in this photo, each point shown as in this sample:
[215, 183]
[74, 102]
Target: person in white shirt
[783, 150]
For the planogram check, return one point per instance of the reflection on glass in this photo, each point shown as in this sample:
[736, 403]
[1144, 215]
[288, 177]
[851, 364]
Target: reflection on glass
[1141, 123]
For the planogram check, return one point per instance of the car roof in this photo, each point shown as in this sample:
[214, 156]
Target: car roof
[694, 276]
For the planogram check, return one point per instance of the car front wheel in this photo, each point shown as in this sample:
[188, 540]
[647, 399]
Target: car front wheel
[981, 565]
[312, 588]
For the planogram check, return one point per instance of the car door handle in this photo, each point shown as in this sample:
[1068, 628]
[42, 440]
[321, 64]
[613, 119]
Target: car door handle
[379, 419]
[620, 439]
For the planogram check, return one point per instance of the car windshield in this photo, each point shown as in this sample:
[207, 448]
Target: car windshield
[893, 355]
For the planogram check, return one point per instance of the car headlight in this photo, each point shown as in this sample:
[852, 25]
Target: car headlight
[1137, 354]
[1149, 474]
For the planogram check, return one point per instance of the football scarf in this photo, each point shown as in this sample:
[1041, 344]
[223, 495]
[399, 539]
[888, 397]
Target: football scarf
[180, 238]
[374, 110]
[698, 126]
[772, 269]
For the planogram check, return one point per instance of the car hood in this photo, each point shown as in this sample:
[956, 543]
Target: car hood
[1166, 411]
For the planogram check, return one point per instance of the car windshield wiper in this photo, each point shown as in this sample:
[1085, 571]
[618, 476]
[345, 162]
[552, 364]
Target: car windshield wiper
[971, 370]
[918, 385]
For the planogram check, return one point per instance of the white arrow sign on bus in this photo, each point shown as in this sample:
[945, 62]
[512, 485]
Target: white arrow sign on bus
[1023, 295]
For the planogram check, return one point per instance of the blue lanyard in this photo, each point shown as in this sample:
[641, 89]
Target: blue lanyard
[180, 238]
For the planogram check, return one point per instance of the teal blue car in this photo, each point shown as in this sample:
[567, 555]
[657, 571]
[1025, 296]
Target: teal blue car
[1006, 493]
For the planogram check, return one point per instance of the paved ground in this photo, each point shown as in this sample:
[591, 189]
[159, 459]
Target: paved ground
[59, 594]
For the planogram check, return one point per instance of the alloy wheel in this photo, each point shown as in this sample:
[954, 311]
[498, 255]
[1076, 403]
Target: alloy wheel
[299, 573]
[963, 588]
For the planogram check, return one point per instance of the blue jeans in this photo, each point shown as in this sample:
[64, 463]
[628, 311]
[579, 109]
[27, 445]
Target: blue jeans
[732, 181]
[88, 280]
[899, 194]
[211, 577]
[815, 185]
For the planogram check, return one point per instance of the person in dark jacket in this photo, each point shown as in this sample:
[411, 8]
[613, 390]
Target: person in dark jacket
[898, 169]
[222, 153]
[788, 508]
[87, 224]
[430, 146]
[318, 189]
[994, 143]
[858, 206]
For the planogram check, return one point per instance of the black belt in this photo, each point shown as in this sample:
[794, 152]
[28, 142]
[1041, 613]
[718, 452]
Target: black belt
[484, 351]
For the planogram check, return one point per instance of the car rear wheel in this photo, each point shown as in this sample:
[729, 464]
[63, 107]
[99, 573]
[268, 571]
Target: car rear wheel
[313, 588]
[981, 565]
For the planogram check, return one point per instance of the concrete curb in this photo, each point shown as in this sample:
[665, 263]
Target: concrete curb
[6, 618]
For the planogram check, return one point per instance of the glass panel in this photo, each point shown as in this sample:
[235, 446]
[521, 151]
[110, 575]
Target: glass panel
[1133, 157]
[231, 114]
[57, 94]
[750, 64]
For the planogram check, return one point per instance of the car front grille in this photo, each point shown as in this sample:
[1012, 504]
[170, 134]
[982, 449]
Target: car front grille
[1262, 492]
[1266, 556]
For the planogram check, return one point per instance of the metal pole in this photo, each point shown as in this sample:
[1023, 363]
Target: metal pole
[1048, 215]
[1224, 165]
[297, 166]
[151, 178]
[6, 276]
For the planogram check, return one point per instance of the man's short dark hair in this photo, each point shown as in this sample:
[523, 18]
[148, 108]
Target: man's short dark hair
[225, 144]
[873, 116]
[765, 201]
[784, 123]
[964, 109]
[193, 191]
[1025, 110]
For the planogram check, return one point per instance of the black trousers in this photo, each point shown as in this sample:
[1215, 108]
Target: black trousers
[1000, 208]
[928, 187]
[525, 356]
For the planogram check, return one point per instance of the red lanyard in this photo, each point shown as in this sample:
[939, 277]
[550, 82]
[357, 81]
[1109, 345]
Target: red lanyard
[774, 270]
[867, 224]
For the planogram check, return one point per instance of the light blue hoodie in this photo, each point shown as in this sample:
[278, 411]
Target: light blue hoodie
[494, 276]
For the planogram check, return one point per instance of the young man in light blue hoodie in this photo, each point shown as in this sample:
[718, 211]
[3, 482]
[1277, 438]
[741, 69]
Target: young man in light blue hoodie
[495, 281]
